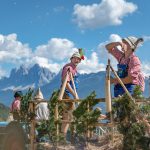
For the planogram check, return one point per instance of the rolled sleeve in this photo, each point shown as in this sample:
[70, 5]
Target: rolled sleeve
[135, 72]
[134, 67]
[64, 73]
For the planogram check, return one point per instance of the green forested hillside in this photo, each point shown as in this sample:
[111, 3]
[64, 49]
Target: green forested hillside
[4, 111]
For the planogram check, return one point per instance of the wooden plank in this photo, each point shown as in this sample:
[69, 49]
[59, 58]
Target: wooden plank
[69, 100]
[79, 100]
[66, 121]
[32, 132]
[105, 124]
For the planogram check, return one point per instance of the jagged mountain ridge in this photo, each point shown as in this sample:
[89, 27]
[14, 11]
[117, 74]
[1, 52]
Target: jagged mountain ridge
[36, 76]
[23, 78]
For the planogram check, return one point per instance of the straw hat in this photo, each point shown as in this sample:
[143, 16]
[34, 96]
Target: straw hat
[76, 54]
[133, 41]
[38, 95]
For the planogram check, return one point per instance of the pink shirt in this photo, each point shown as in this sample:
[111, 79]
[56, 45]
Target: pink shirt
[72, 68]
[15, 105]
[134, 66]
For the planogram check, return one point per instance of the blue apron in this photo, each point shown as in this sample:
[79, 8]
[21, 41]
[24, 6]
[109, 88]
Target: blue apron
[76, 81]
[122, 73]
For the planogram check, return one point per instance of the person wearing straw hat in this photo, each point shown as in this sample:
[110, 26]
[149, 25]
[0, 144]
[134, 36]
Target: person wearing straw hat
[72, 67]
[69, 90]
[42, 111]
[129, 65]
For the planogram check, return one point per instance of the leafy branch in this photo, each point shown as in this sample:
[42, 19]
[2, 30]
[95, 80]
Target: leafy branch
[131, 121]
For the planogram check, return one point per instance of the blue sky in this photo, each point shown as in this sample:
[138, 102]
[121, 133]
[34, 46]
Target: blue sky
[48, 32]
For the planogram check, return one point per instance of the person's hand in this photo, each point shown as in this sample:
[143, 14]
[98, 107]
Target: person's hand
[77, 97]
[113, 80]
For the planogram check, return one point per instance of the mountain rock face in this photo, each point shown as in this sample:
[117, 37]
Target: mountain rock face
[36, 76]
[22, 79]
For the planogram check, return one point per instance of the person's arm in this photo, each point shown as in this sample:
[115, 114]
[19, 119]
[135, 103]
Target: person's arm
[110, 46]
[125, 80]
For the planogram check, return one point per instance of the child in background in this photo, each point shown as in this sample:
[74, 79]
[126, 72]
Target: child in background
[15, 106]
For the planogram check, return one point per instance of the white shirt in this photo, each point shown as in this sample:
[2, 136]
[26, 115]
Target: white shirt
[42, 111]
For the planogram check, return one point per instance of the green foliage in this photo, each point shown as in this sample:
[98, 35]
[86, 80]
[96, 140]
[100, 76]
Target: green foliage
[130, 115]
[52, 122]
[24, 110]
[84, 117]
[42, 128]
[123, 108]
[137, 93]
[145, 109]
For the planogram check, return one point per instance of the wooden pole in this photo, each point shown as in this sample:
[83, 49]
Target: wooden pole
[56, 119]
[62, 90]
[60, 97]
[32, 131]
[74, 87]
[76, 97]
[107, 89]
[88, 109]
[120, 81]
[108, 98]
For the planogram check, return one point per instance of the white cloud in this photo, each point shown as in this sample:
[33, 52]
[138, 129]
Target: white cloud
[12, 50]
[19, 87]
[146, 68]
[103, 53]
[91, 64]
[44, 62]
[2, 72]
[56, 49]
[146, 38]
[51, 55]
[108, 12]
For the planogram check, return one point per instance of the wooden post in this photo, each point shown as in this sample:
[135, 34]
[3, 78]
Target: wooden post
[127, 92]
[108, 98]
[32, 131]
[88, 110]
[107, 89]
[74, 87]
[56, 119]
[76, 97]
[60, 97]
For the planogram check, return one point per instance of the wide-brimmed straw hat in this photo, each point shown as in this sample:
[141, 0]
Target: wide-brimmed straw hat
[133, 41]
[76, 54]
